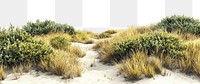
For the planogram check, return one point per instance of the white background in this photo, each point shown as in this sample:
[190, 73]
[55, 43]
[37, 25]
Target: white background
[196, 8]
[96, 13]
[150, 11]
[40, 9]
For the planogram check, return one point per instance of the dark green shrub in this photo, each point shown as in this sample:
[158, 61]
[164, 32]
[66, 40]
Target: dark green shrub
[59, 42]
[183, 24]
[17, 46]
[46, 27]
[153, 43]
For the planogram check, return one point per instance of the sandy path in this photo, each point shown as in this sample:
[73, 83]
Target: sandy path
[97, 74]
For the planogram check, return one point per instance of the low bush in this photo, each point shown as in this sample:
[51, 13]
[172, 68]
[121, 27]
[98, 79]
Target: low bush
[47, 26]
[59, 42]
[139, 66]
[17, 46]
[183, 24]
[154, 43]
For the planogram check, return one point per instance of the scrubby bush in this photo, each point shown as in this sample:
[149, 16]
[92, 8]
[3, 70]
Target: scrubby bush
[47, 26]
[17, 46]
[59, 42]
[183, 24]
[153, 43]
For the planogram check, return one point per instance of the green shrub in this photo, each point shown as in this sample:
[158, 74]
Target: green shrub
[17, 46]
[153, 43]
[183, 24]
[59, 42]
[47, 26]
[103, 35]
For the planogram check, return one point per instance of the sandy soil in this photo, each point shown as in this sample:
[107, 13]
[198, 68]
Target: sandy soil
[97, 73]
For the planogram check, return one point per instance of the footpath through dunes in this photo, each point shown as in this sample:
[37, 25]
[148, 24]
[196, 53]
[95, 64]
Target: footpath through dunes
[94, 71]
[97, 73]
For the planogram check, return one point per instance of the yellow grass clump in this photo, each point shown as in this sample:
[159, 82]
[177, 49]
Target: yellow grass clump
[2, 73]
[81, 37]
[63, 64]
[76, 50]
[191, 61]
[132, 32]
[139, 66]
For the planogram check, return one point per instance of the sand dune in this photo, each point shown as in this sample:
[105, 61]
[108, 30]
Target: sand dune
[97, 73]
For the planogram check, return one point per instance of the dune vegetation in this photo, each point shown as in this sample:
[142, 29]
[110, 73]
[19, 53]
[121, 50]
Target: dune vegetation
[139, 52]
[42, 46]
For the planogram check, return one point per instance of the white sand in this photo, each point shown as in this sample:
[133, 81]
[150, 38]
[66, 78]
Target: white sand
[98, 74]
[173, 78]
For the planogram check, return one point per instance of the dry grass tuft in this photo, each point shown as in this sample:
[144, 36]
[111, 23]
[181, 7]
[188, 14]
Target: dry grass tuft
[105, 50]
[90, 41]
[15, 73]
[191, 61]
[90, 34]
[81, 37]
[186, 37]
[44, 65]
[103, 35]
[132, 32]
[2, 73]
[139, 66]
[101, 43]
[76, 50]
[63, 64]
[28, 66]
